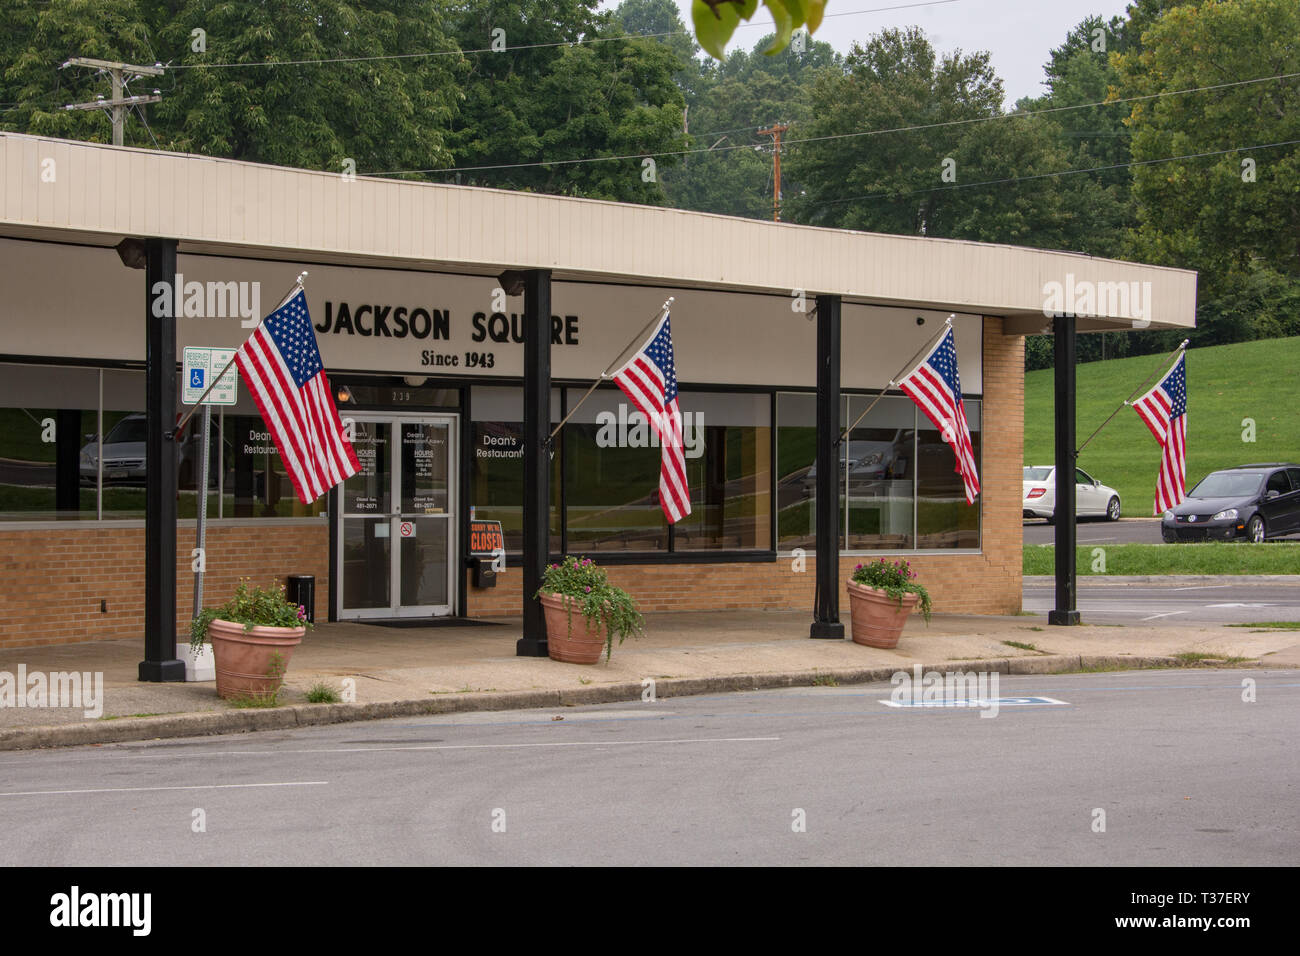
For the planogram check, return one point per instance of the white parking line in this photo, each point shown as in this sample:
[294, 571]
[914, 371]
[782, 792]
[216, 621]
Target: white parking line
[1166, 614]
[557, 743]
[212, 786]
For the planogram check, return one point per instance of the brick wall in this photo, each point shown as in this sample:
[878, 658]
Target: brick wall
[53, 580]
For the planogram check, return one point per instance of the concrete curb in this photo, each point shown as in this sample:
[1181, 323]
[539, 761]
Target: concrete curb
[316, 715]
[1171, 579]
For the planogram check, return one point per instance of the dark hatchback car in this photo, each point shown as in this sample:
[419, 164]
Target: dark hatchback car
[1251, 501]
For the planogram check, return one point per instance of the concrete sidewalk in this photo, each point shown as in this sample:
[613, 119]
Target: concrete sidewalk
[409, 671]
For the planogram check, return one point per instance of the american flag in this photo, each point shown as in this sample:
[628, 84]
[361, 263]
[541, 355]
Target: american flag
[935, 386]
[649, 379]
[282, 367]
[1164, 409]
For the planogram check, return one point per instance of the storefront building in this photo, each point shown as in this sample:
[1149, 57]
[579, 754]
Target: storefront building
[424, 347]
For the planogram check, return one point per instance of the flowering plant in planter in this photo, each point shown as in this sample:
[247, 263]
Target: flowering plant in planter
[896, 579]
[251, 607]
[583, 585]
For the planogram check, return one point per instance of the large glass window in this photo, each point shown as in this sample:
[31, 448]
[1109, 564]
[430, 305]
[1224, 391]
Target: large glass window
[611, 492]
[943, 519]
[53, 463]
[877, 464]
[796, 469]
[497, 468]
[898, 488]
[728, 439]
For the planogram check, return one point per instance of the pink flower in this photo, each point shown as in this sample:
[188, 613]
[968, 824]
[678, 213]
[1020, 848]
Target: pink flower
[587, 589]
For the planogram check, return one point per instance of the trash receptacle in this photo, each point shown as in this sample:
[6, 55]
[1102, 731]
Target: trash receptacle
[485, 574]
[301, 589]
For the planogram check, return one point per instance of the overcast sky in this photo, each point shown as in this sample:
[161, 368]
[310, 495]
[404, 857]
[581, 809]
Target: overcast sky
[1018, 33]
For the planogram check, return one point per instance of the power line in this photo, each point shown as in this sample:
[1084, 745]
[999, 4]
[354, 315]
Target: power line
[1063, 172]
[1023, 114]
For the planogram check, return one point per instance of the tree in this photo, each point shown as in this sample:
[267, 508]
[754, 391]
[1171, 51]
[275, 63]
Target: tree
[1218, 213]
[37, 37]
[565, 101]
[949, 177]
[384, 114]
[732, 101]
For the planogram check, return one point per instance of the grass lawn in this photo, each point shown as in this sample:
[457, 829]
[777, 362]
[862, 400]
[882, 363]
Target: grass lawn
[1225, 384]
[1275, 557]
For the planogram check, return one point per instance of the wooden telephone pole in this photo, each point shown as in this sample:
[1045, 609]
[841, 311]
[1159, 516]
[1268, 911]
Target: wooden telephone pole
[775, 131]
[119, 104]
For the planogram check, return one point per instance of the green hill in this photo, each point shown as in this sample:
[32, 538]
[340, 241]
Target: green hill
[1225, 384]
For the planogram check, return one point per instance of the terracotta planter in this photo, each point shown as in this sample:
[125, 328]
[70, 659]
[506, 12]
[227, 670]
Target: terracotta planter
[877, 619]
[569, 636]
[246, 661]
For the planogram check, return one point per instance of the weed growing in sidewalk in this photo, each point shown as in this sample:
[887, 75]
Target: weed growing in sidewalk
[322, 693]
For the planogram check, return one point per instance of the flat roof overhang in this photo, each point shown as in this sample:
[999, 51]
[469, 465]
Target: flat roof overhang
[101, 194]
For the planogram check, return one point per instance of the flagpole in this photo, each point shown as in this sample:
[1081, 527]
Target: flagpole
[934, 338]
[1129, 401]
[297, 287]
[635, 339]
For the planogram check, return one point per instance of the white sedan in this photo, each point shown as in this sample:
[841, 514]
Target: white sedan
[1092, 499]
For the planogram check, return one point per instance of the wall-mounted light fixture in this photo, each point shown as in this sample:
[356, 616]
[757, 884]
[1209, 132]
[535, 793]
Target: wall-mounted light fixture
[512, 281]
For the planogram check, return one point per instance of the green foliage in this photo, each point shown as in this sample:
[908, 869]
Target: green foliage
[731, 172]
[896, 579]
[716, 20]
[565, 101]
[894, 181]
[322, 693]
[1205, 213]
[251, 607]
[1215, 557]
[384, 114]
[579, 581]
[1225, 384]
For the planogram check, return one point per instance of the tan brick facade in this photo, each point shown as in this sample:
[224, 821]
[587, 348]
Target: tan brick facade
[53, 579]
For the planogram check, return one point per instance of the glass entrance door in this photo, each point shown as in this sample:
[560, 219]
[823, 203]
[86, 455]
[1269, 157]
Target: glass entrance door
[396, 526]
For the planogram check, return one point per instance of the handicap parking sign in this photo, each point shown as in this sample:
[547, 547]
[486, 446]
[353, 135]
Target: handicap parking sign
[202, 368]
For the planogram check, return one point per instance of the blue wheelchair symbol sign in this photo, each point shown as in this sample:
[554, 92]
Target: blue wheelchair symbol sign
[196, 378]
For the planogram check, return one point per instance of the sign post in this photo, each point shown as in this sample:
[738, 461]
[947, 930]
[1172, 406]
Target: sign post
[201, 365]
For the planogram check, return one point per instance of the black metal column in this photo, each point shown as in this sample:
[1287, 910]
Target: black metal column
[160, 663]
[826, 614]
[537, 462]
[1063, 408]
[67, 460]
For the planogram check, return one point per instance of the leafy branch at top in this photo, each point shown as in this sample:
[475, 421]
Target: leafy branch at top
[716, 20]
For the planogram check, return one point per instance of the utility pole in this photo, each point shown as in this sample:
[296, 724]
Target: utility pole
[775, 131]
[119, 104]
